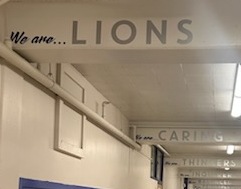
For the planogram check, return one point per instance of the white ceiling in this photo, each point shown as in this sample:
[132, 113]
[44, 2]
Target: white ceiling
[170, 93]
[201, 150]
[166, 92]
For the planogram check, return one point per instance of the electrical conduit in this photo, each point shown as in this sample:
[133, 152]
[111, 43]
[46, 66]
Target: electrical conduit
[2, 2]
[13, 58]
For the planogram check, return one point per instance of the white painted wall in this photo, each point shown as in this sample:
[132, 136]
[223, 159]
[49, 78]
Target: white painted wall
[27, 140]
[2, 17]
[171, 177]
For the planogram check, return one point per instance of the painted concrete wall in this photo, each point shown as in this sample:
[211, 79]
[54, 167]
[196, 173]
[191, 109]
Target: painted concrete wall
[27, 138]
[2, 16]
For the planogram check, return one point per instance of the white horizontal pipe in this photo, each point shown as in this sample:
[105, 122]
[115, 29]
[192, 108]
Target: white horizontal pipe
[163, 150]
[13, 58]
[2, 2]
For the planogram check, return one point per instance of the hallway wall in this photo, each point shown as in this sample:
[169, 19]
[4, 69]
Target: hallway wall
[27, 123]
[2, 34]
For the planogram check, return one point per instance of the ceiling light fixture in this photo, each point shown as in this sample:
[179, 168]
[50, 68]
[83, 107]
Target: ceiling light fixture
[236, 106]
[230, 149]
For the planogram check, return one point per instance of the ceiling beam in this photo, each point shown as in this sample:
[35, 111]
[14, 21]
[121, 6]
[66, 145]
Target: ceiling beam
[150, 35]
[209, 174]
[203, 162]
[203, 182]
[131, 56]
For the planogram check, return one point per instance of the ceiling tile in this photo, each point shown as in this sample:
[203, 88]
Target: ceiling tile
[225, 69]
[138, 70]
[198, 69]
[224, 83]
[165, 91]
[91, 69]
[200, 84]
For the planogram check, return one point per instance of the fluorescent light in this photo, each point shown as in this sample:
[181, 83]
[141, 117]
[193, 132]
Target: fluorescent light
[236, 106]
[236, 109]
[230, 149]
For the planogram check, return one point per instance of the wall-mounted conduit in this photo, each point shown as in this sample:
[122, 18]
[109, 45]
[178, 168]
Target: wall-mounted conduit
[2, 2]
[13, 58]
